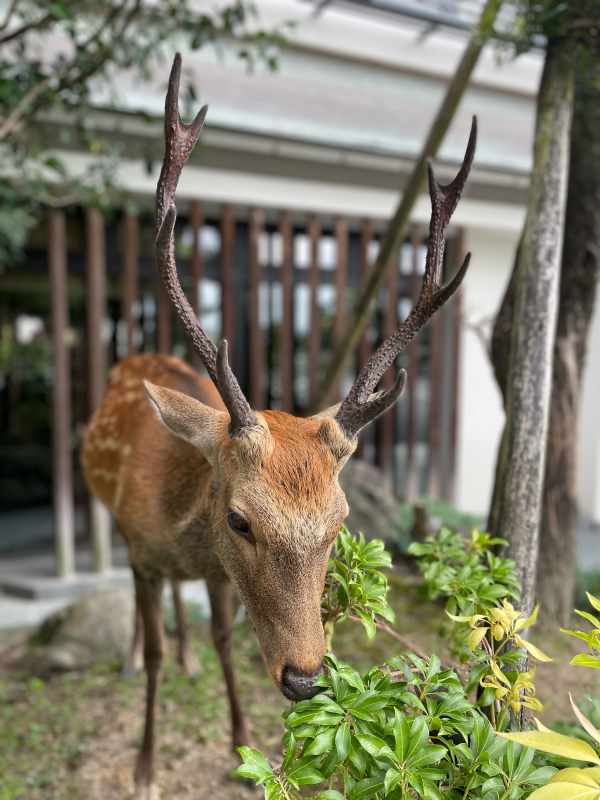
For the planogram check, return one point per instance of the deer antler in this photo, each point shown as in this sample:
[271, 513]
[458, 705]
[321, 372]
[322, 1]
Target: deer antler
[179, 143]
[359, 407]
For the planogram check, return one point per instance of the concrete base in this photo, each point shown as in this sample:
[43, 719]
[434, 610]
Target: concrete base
[40, 588]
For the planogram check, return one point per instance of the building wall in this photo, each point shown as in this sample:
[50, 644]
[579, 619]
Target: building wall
[480, 411]
[589, 427]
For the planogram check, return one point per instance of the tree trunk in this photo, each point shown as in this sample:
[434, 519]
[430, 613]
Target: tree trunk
[580, 270]
[516, 509]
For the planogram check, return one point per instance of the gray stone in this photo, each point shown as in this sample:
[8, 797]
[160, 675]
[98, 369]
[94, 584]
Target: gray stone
[374, 509]
[97, 627]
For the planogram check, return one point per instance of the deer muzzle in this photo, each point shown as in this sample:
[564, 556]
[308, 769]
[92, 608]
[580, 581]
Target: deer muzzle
[297, 685]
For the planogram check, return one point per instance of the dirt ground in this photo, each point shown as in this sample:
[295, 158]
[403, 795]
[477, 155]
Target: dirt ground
[75, 736]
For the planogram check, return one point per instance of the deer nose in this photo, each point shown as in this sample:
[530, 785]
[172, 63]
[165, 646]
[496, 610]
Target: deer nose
[297, 685]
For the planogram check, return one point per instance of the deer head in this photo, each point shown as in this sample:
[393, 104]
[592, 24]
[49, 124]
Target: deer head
[276, 503]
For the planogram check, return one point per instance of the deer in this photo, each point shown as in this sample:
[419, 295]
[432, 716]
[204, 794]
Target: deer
[203, 486]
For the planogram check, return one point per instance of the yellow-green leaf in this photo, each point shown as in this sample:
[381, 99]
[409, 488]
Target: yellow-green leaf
[458, 619]
[498, 673]
[535, 652]
[573, 775]
[594, 601]
[525, 623]
[555, 743]
[585, 660]
[589, 617]
[475, 637]
[564, 791]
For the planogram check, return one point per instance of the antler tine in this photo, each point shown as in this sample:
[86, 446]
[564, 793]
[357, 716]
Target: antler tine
[180, 140]
[361, 407]
[179, 143]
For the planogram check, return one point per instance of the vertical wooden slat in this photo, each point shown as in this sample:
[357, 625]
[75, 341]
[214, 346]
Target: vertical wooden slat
[457, 309]
[364, 346]
[227, 276]
[286, 344]
[386, 431]
[62, 468]
[196, 268]
[410, 491]
[96, 354]
[164, 320]
[130, 275]
[341, 282]
[255, 336]
[435, 372]
[314, 336]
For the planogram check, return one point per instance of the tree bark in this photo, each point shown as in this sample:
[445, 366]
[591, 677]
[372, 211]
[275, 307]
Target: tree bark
[516, 510]
[579, 275]
[375, 277]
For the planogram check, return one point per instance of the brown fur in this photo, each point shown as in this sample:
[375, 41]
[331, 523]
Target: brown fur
[171, 494]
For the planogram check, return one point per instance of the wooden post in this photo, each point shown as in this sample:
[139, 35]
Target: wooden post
[286, 343]
[95, 258]
[410, 491]
[341, 284]
[197, 269]
[227, 276]
[255, 337]
[386, 430]
[314, 336]
[62, 465]
[364, 347]
[130, 276]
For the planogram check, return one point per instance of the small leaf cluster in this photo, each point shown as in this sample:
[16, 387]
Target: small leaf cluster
[592, 638]
[355, 583]
[468, 574]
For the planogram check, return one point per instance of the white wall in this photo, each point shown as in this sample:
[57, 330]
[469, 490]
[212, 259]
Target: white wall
[480, 411]
[588, 479]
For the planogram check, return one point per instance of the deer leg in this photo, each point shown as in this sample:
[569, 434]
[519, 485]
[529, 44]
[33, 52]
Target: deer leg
[135, 659]
[185, 654]
[149, 593]
[221, 597]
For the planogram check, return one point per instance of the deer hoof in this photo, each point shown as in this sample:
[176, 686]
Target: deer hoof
[130, 671]
[146, 792]
[191, 665]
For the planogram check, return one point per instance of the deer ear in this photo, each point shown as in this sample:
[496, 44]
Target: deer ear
[191, 420]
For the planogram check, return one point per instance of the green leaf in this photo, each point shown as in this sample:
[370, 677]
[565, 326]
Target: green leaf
[255, 765]
[290, 753]
[555, 743]
[392, 778]
[357, 755]
[426, 755]
[373, 744]
[342, 741]
[401, 732]
[419, 734]
[585, 660]
[366, 788]
[330, 794]
[308, 775]
[321, 743]
[368, 622]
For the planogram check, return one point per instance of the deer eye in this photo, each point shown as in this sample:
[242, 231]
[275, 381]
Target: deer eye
[241, 526]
